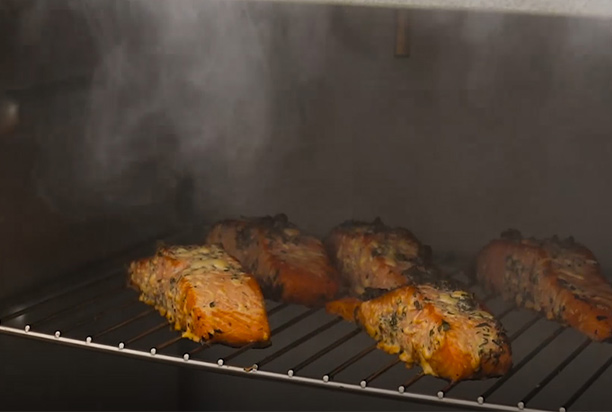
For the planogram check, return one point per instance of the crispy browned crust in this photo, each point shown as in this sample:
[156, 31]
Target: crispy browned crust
[205, 293]
[445, 331]
[559, 278]
[290, 265]
[375, 256]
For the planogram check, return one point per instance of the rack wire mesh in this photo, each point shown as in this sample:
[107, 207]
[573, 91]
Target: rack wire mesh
[555, 368]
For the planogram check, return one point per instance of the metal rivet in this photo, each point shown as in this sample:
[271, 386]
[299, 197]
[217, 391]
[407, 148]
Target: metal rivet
[57, 334]
[562, 409]
[290, 372]
[121, 345]
[401, 389]
[88, 340]
[480, 400]
[363, 384]
[440, 395]
[186, 357]
[153, 351]
[27, 328]
[521, 405]
[325, 378]
[220, 362]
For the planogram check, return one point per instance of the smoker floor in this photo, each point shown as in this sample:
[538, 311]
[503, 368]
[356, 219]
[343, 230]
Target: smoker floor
[555, 368]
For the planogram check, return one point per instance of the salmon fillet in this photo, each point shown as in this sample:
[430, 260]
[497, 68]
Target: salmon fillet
[290, 265]
[373, 255]
[409, 309]
[441, 328]
[204, 292]
[560, 278]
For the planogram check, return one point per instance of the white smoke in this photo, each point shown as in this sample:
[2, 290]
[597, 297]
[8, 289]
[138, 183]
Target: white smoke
[303, 110]
[182, 90]
[185, 83]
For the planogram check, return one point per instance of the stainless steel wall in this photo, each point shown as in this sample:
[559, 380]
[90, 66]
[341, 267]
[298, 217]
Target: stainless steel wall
[46, 63]
[494, 121]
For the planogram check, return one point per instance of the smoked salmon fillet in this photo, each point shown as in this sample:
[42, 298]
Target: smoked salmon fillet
[204, 292]
[290, 265]
[560, 278]
[376, 256]
[403, 302]
[441, 328]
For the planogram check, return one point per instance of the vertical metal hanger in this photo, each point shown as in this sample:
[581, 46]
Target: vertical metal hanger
[402, 34]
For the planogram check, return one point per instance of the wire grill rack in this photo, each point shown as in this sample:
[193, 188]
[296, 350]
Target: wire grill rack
[555, 368]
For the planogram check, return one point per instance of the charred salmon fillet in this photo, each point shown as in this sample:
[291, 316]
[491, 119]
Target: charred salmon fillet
[204, 292]
[375, 256]
[441, 328]
[560, 278]
[290, 265]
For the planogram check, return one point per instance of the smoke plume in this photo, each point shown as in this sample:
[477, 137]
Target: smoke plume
[181, 95]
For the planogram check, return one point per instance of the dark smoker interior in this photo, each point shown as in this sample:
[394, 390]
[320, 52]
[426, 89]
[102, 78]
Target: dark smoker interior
[139, 119]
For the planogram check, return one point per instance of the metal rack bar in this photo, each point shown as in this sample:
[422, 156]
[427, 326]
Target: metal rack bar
[81, 304]
[293, 321]
[100, 315]
[185, 361]
[365, 382]
[522, 363]
[66, 292]
[330, 375]
[554, 373]
[279, 329]
[586, 385]
[296, 343]
[236, 353]
[524, 328]
[147, 332]
[103, 296]
[277, 308]
[104, 269]
[124, 323]
[410, 382]
[445, 390]
[169, 342]
[505, 312]
[324, 351]
[204, 345]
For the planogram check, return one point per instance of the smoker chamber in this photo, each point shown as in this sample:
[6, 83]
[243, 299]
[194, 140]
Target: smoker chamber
[555, 368]
[138, 117]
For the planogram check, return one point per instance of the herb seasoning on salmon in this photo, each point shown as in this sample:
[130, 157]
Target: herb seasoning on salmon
[436, 326]
[557, 277]
[290, 265]
[403, 303]
[373, 255]
[204, 292]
